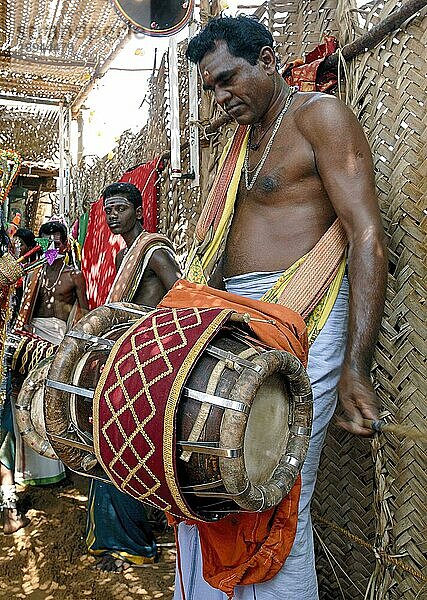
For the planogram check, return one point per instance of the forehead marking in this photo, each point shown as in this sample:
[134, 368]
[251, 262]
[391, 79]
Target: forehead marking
[117, 200]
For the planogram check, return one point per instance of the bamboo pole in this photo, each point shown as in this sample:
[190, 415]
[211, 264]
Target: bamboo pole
[372, 38]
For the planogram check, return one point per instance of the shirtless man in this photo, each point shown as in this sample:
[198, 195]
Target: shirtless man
[62, 287]
[13, 520]
[307, 162]
[118, 530]
[54, 297]
[123, 210]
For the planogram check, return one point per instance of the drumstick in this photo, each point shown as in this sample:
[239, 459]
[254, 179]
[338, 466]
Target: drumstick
[407, 431]
[41, 261]
[29, 253]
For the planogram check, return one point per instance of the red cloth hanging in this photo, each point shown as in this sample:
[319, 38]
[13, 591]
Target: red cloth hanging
[303, 72]
[146, 179]
[101, 246]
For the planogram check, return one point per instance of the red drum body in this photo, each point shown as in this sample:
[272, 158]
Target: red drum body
[71, 381]
[197, 418]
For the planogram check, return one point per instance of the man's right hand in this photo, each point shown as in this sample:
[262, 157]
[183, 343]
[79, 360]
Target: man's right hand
[358, 401]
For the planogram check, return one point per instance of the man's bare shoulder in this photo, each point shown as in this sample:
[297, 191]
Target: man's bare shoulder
[75, 274]
[318, 113]
[161, 257]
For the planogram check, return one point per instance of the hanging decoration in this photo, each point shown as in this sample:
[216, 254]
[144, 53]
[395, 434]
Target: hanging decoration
[10, 163]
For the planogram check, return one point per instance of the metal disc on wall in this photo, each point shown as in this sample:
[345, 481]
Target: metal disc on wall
[155, 17]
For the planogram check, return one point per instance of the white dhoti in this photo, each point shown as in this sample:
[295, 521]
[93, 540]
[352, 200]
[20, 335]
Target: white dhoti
[297, 578]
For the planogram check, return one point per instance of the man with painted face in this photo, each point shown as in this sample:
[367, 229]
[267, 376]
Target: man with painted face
[299, 185]
[62, 291]
[118, 531]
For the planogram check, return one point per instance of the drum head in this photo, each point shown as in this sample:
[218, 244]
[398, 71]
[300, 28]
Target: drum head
[267, 430]
[155, 17]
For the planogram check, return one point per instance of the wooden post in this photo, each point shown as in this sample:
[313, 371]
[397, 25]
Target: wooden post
[80, 145]
[369, 40]
[208, 161]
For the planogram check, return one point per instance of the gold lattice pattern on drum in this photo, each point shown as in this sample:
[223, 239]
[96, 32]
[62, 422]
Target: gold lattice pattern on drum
[140, 356]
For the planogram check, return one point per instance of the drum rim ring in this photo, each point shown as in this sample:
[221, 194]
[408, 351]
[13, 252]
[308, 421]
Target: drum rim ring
[25, 425]
[69, 351]
[257, 498]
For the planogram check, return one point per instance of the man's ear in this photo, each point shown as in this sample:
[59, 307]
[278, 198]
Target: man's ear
[138, 212]
[267, 58]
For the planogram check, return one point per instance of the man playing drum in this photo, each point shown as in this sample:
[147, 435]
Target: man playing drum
[300, 163]
[117, 526]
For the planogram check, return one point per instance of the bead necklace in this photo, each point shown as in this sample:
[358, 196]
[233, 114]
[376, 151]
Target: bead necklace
[259, 166]
[51, 288]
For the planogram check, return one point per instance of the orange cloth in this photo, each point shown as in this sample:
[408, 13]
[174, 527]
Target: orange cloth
[247, 548]
[288, 332]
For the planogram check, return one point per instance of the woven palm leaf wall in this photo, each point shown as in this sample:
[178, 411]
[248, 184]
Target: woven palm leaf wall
[387, 88]
[369, 507]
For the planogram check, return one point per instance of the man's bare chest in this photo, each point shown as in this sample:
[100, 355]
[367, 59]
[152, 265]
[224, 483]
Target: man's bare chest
[60, 287]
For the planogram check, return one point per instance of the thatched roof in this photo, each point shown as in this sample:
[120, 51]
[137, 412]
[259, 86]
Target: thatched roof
[52, 48]
[32, 130]
[51, 51]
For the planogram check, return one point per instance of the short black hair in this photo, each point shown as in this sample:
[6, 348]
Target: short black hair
[127, 190]
[244, 36]
[54, 227]
[27, 236]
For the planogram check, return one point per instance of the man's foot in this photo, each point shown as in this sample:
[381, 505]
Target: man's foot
[109, 564]
[13, 520]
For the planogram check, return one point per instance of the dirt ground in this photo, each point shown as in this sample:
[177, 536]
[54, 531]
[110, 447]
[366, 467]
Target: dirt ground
[47, 560]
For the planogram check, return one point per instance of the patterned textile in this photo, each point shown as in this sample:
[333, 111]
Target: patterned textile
[29, 352]
[216, 216]
[303, 72]
[133, 266]
[136, 400]
[275, 325]
[98, 255]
